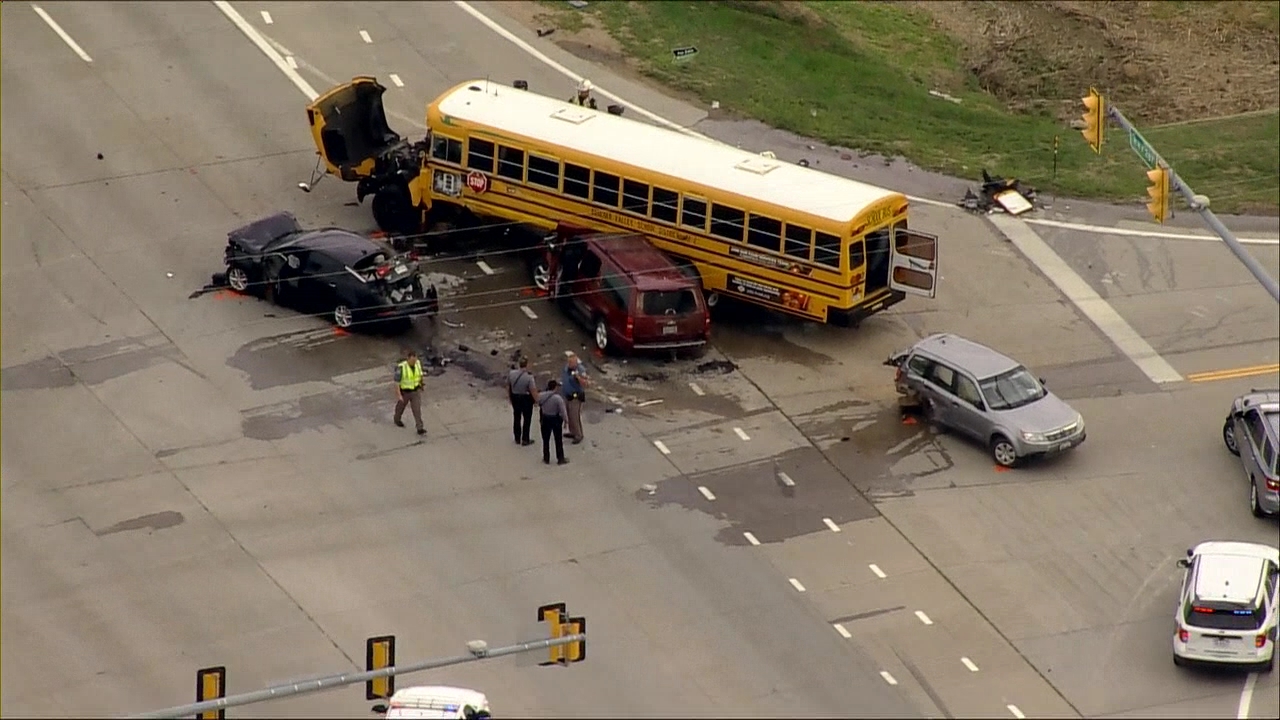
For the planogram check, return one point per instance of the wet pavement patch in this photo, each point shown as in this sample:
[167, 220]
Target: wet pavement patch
[312, 412]
[91, 364]
[721, 367]
[151, 523]
[43, 374]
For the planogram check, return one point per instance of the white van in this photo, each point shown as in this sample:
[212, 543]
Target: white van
[438, 701]
[1227, 613]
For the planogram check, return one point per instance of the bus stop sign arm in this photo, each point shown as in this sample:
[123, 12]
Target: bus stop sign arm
[1149, 155]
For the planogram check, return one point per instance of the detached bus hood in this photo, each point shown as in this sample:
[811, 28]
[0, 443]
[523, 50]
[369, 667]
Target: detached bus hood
[349, 127]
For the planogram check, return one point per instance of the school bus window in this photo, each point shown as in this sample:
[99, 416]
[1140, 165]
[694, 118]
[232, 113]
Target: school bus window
[544, 171]
[446, 149]
[480, 155]
[693, 213]
[764, 233]
[799, 242]
[855, 254]
[635, 197]
[511, 163]
[577, 181]
[606, 189]
[826, 249]
[727, 222]
[665, 205]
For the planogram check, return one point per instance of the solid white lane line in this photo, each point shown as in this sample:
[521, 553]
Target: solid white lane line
[751, 538]
[843, 633]
[1099, 311]
[662, 448]
[796, 584]
[969, 664]
[923, 618]
[876, 569]
[266, 18]
[1102, 230]
[706, 493]
[66, 38]
[364, 35]
[696, 389]
[786, 479]
[888, 678]
[529, 311]
[484, 267]
[831, 525]
[256, 38]
[742, 434]
[395, 80]
[1246, 696]
[1016, 712]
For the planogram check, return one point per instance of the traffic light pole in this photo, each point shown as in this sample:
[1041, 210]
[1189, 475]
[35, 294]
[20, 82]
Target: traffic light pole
[334, 681]
[1153, 159]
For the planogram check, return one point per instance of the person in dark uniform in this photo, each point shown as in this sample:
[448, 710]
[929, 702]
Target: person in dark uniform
[583, 97]
[552, 412]
[521, 391]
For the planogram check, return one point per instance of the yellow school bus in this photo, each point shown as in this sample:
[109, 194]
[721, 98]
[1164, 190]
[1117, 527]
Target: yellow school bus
[787, 237]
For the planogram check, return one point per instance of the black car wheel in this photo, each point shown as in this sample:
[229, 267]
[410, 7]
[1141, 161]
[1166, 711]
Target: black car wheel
[1229, 437]
[343, 317]
[237, 279]
[393, 210]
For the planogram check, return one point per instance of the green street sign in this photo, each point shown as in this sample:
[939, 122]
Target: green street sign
[1139, 145]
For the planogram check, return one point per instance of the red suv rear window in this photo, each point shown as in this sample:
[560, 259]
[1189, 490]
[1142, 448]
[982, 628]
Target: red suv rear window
[668, 302]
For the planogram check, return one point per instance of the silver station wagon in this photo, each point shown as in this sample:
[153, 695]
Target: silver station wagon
[961, 385]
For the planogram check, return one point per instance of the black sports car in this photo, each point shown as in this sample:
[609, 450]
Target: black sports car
[352, 278]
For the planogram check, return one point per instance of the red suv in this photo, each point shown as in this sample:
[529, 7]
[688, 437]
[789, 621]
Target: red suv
[628, 293]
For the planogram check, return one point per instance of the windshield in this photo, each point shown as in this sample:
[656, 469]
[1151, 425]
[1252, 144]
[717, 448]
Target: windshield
[1012, 389]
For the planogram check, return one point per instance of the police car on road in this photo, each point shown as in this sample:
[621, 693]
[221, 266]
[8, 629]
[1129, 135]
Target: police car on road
[1229, 607]
[436, 701]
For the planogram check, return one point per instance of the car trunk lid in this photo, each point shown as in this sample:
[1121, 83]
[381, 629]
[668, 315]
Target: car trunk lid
[669, 315]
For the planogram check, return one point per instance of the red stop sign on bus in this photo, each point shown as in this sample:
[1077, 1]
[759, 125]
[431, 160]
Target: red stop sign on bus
[478, 182]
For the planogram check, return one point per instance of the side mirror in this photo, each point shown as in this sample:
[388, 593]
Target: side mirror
[1042, 382]
[1183, 563]
[1190, 552]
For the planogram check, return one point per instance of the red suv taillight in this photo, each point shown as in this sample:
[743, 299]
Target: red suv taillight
[706, 326]
[1273, 484]
[631, 325]
[1183, 635]
[1260, 640]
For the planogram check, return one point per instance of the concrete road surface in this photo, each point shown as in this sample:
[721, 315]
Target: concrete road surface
[757, 533]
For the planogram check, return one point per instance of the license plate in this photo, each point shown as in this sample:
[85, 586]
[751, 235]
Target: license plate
[1222, 642]
[401, 269]
[669, 330]
[1064, 446]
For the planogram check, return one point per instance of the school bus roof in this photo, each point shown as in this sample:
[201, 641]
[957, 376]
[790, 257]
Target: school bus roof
[659, 150]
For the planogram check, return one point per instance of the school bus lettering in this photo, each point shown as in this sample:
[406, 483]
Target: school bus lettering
[879, 217]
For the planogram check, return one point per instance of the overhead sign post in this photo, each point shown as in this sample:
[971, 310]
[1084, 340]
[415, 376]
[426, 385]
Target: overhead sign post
[684, 53]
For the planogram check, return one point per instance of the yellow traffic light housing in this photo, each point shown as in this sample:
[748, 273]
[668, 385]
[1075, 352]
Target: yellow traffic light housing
[556, 616]
[1095, 116]
[1159, 193]
[576, 651]
[211, 684]
[379, 653]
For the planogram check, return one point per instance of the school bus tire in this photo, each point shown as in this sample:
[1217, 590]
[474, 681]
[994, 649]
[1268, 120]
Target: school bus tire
[393, 210]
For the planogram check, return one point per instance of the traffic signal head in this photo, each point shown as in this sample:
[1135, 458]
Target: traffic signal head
[1159, 193]
[1094, 118]
[554, 616]
[379, 653]
[576, 651]
[211, 684]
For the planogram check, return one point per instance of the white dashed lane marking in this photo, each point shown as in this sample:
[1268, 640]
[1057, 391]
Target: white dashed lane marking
[742, 434]
[923, 618]
[785, 479]
[969, 664]
[796, 584]
[706, 493]
[831, 524]
[395, 80]
[888, 678]
[751, 538]
[484, 266]
[364, 35]
[266, 18]
[876, 569]
[288, 60]
[1016, 712]
[696, 390]
[843, 633]
[529, 311]
[662, 448]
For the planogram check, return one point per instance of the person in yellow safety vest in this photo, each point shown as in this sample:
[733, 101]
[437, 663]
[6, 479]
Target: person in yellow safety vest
[584, 95]
[409, 389]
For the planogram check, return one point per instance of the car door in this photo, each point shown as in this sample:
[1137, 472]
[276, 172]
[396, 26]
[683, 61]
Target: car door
[322, 282]
[585, 288]
[1252, 442]
[967, 411]
[289, 287]
[940, 387]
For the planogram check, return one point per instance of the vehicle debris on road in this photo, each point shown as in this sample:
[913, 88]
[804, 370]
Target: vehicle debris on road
[999, 194]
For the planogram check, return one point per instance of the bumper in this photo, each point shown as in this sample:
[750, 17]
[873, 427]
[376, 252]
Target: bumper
[1260, 658]
[854, 316]
[1269, 501]
[1027, 448]
[667, 345]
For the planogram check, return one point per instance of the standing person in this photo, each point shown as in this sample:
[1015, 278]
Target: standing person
[522, 391]
[583, 97]
[409, 389]
[573, 382]
[552, 411]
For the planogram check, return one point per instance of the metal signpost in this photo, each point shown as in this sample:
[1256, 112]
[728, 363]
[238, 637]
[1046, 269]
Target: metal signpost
[1199, 203]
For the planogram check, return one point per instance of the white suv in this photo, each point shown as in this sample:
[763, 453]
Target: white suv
[1227, 613]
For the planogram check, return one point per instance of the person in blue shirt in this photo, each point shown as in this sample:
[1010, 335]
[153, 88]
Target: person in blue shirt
[573, 384]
